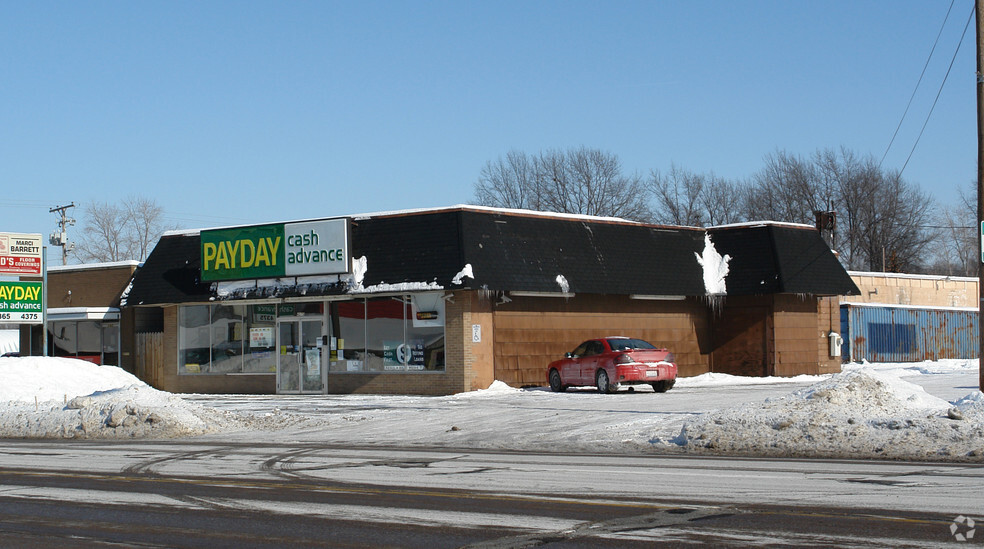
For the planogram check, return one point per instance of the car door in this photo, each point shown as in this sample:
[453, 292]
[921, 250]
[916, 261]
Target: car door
[589, 362]
[570, 369]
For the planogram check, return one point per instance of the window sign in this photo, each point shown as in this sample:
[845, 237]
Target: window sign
[261, 337]
[265, 313]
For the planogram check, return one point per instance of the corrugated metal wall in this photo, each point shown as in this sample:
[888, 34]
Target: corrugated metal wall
[907, 334]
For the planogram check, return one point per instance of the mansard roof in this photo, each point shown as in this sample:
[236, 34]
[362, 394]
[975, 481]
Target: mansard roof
[517, 250]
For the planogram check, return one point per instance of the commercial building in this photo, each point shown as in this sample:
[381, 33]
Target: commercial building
[909, 318]
[84, 317]
[450, 299]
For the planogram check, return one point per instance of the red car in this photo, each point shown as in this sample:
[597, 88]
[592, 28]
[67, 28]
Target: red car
[611, 362]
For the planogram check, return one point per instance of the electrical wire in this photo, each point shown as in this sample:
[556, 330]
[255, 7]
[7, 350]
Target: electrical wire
[940, 91]
[918, 82]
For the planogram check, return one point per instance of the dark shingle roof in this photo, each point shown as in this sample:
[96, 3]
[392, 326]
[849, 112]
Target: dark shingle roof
[524, 253]
[520, 251]
[777, 258]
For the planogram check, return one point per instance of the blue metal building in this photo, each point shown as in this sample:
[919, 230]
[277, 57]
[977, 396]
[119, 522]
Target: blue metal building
[901, 333]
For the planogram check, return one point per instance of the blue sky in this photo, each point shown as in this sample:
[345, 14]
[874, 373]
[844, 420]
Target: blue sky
[246, 112]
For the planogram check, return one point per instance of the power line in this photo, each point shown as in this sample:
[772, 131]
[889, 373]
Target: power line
[923, 73]
[940, 91]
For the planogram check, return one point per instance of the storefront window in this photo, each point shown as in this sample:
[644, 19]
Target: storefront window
[227, 337]
[64, 338]
[111, 344]
[261, 323]
[92, 340]
[425, 332]
[391, 334]
[194, 349]
[348, 341]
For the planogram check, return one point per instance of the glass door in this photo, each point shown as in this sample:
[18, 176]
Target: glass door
[299, 362]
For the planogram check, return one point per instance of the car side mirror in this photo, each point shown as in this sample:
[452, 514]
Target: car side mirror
[568, 355]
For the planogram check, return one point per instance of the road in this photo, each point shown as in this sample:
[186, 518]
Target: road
[197, 493]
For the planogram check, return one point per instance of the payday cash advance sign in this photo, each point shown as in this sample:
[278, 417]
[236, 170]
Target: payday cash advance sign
[270, 251]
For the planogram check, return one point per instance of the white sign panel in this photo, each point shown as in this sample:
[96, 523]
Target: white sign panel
[20, 254]
[317, 247]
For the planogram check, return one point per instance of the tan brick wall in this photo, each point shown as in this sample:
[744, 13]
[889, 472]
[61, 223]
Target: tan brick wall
[828, 320]
[477, 356]
[531, 332]
[801, 335]
[89, 287]
[918, 290]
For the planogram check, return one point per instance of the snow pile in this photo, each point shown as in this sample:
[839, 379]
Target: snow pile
[497, 388]
[859, 413]
[69, 398]
[714, 379]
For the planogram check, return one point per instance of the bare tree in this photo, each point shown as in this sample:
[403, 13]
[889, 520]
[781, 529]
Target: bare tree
[883, 221]
[146, 225]
[956, 251]
[511, 183]
[582, 181]
[687, 198]
[118, 232]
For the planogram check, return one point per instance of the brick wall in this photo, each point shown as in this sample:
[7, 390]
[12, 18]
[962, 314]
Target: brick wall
[918, 290]
[531, 332]
[88, 287]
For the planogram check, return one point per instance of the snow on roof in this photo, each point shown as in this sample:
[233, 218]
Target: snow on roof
[89, 266]
[753, 224]
[414, 211]
[913, 307]
[914, 276]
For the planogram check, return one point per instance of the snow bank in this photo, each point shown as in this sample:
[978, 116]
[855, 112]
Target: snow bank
[856, 414]
[713, 379]
[497, 388]
[68, 398]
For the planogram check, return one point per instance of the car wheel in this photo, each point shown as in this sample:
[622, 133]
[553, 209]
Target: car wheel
[555, 383]
[663, 386]
[603, 383]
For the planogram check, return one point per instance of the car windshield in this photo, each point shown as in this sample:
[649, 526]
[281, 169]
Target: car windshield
[628, 344]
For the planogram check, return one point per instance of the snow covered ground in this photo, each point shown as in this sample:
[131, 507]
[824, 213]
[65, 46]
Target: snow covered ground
[921, 411]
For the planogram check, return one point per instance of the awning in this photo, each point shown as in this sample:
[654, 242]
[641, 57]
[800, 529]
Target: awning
[83, 313]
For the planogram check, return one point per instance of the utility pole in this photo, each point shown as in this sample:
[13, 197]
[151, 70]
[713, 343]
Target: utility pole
[60, 237]
[979, 12]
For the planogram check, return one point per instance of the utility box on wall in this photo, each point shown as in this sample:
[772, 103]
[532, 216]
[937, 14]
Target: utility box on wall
[835, 343]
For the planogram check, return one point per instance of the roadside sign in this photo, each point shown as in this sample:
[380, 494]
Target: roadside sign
[20, 302]
[20, 254]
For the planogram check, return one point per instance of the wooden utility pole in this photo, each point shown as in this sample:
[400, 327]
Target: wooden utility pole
[979, 9]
